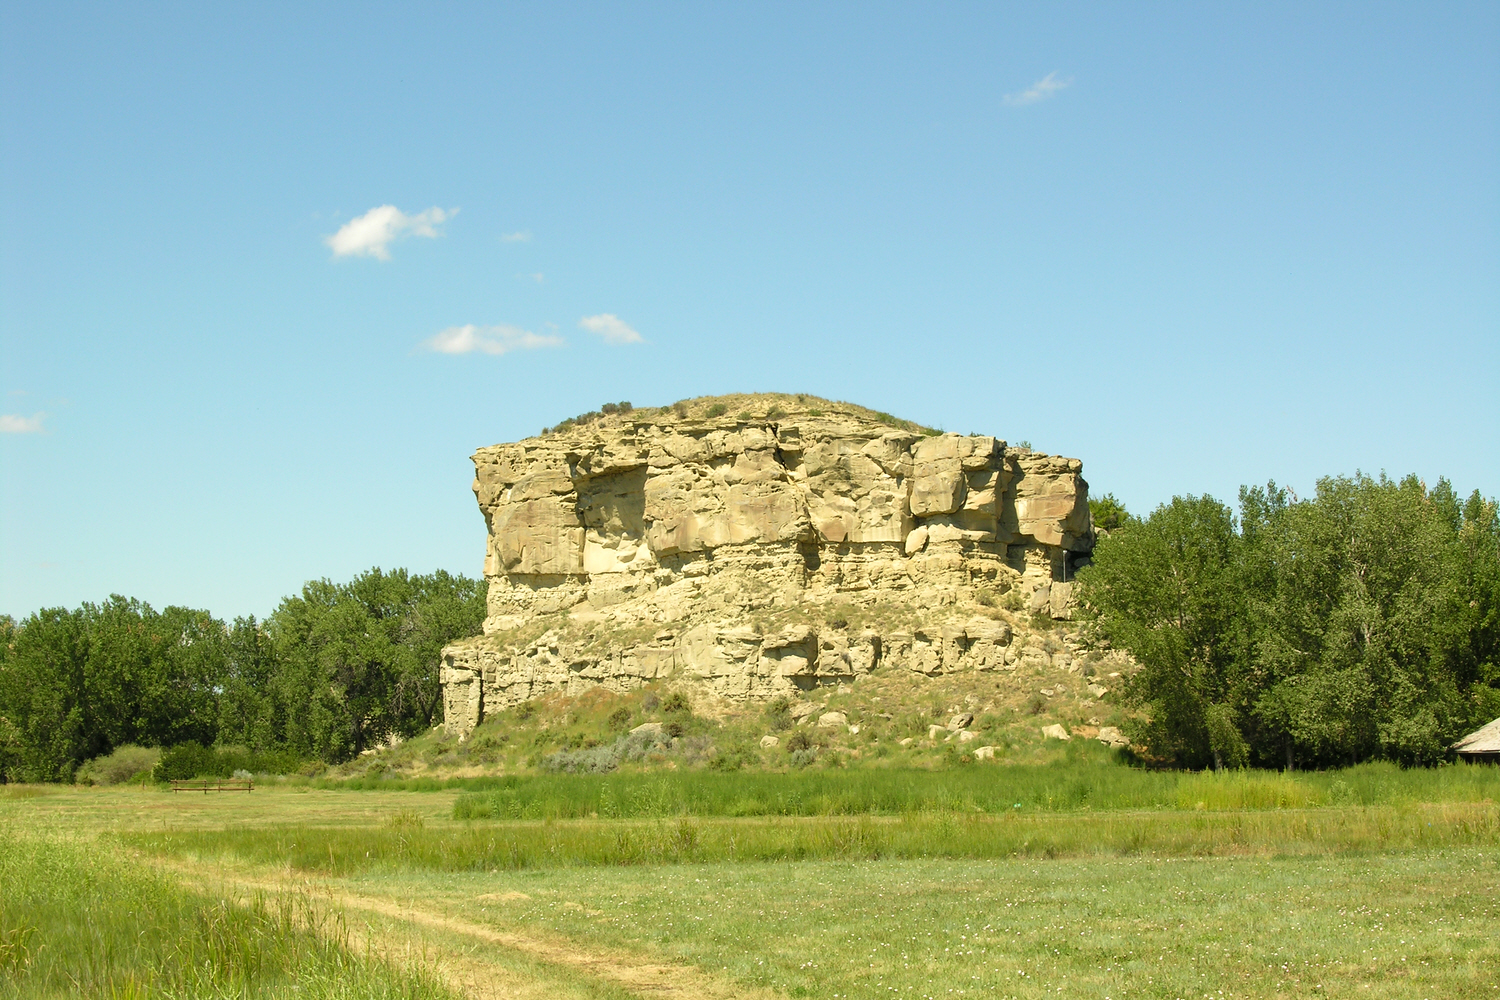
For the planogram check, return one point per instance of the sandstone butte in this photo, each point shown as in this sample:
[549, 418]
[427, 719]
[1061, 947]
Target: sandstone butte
[748, 546]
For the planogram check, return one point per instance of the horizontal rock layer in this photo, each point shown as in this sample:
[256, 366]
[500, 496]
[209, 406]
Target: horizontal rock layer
[656, 518]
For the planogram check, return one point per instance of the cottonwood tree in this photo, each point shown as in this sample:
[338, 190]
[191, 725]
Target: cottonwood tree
[1361, 623]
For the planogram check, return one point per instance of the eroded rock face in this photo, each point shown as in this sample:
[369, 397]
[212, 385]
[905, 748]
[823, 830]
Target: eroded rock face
[729, 552]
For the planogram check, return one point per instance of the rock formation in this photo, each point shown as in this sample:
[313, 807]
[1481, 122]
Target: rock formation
[749, 546]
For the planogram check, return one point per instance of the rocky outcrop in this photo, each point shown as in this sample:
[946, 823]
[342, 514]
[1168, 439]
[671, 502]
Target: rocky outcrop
[756, 545]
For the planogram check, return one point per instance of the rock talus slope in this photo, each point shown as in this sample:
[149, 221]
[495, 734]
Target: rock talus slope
[749, 546]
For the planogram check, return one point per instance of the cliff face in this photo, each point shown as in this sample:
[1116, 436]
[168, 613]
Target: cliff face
[755, 545]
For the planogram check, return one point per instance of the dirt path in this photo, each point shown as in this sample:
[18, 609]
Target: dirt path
[460, 946]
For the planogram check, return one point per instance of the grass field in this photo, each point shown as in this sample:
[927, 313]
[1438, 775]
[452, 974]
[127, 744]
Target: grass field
[1105, 882]
[1410, 925]
[77, 921]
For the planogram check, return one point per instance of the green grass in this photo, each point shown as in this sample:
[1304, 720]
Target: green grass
[77, 921]
[1066, 785]
[515, 845]
[976, 788]
[1400, 927]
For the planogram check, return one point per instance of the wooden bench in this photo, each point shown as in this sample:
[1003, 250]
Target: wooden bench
[206, 785]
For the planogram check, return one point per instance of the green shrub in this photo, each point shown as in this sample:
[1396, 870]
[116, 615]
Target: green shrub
[603, 759]
[125, 763]
[190, 760]
[717, 410]
[778, 714]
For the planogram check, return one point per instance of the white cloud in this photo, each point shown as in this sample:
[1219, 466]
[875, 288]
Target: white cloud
[536, 276]
[612, 328]
[1039, 91]
[371, 233]
[524, 236]
[13, 423]
[500, 339]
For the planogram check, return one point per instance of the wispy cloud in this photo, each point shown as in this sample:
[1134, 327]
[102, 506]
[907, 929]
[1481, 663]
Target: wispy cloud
[1039, 91]
[500, 339]
[371, 233]
[612, 328]
[13, 423]
[524, 236]
[536, 276]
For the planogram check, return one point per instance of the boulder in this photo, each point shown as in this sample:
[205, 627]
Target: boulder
[960, 721]
[833, 720]
[1055, 732]
[767, 742]
[802, 710]
[654, 728]
[1112, 737]
[965, 735]
[984, 753]
[935, 732]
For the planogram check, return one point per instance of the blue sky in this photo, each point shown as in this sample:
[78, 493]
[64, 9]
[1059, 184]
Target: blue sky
[1195, 245]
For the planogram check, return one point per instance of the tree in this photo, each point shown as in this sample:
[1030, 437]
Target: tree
[359, 661]
[1167, 591]
[1108, 513]
[1361, 623]
[43, 698]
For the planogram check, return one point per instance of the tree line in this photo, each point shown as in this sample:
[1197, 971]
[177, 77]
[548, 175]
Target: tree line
[334, 670]
[1361, 623]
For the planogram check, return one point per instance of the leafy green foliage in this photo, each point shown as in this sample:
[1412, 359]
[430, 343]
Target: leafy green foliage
[1109, 513]
[1363, 623]
[334, 670]
[190, 760]
[127, 762]
[358, 662]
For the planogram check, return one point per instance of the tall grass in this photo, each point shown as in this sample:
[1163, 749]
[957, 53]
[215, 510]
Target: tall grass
[567, 843]
[78, 922]
[968, 789]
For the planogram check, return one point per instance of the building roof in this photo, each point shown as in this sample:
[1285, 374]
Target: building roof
[1485, 740]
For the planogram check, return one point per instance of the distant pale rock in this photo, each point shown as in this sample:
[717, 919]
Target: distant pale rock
[649, 727]
[984, 753]
[767, 742]
[802, 710]
[1055, 732]
[833, 720]
[1111, 736]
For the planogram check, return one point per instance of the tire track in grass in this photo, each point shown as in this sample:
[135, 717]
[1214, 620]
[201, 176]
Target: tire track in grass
[466, 968]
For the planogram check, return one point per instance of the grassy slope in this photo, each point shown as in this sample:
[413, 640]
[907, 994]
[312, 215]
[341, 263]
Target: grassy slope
[1009, 711]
